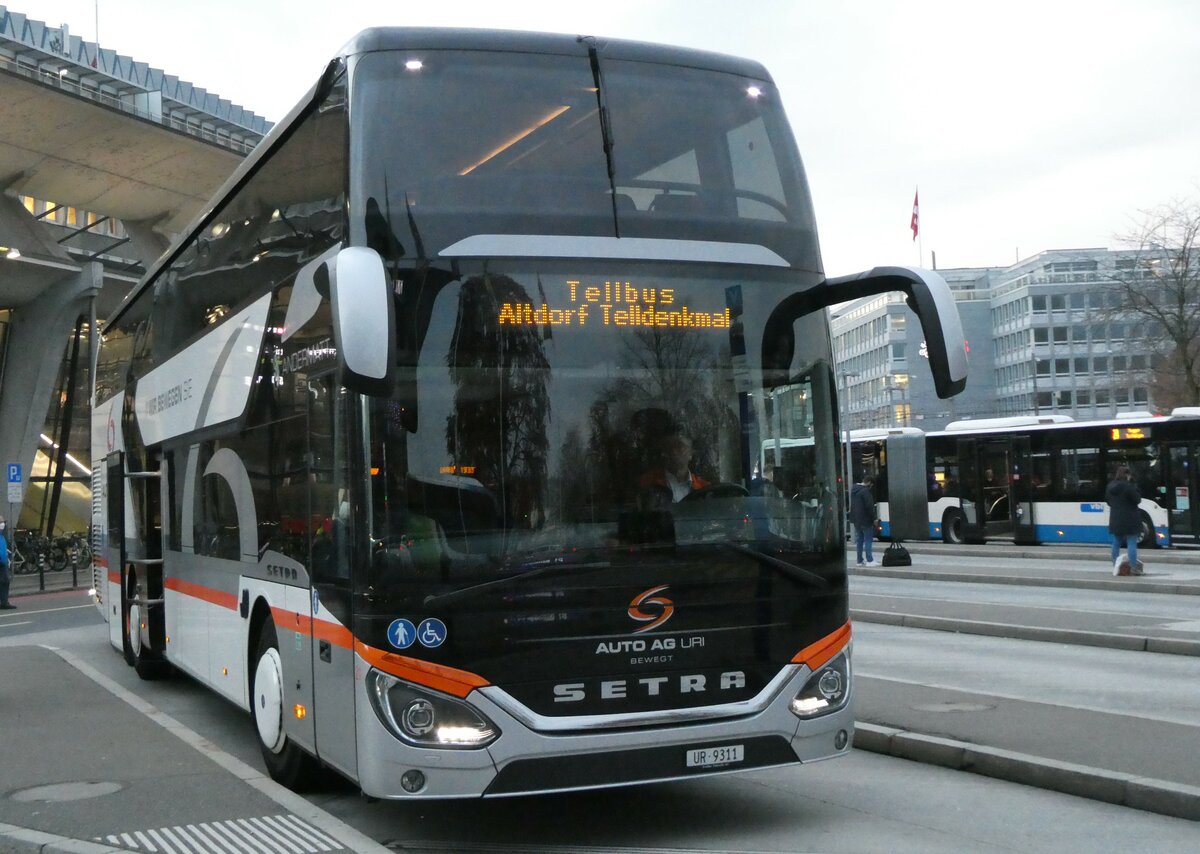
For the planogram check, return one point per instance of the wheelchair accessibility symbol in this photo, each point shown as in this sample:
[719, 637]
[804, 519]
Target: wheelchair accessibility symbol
[432, 632]
[402, 633]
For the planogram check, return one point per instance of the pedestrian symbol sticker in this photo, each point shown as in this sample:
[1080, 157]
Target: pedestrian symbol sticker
[432, 632]
[401, 634]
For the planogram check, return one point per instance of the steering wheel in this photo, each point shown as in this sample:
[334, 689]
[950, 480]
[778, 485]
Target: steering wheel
[716, 490]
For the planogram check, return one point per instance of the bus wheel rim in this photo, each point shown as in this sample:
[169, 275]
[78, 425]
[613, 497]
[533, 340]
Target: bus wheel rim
[135, 629]
[268, 700]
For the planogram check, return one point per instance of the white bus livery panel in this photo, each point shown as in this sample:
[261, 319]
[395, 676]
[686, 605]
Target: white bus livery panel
[436, 443]
[1039, 479]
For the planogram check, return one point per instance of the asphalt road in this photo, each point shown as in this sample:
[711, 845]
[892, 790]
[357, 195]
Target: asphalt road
[866, 802]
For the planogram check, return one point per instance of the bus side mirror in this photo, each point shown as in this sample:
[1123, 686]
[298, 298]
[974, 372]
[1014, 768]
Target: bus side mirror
[928, 296]
[364, 325]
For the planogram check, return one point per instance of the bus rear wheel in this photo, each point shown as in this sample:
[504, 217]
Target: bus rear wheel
[149, 664]
[1149, 539]
[952, 527]
[286, 762]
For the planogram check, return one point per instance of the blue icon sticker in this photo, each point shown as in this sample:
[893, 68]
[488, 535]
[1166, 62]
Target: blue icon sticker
[316, 602]
[432, 632]
[402, 633]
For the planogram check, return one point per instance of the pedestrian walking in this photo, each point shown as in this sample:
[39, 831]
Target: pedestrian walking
[5, 568]
[862, 517]
[1124, 522]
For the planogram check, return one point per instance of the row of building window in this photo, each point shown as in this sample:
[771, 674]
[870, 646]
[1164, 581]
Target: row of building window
[69, 216]
[1072, 400]
[1081, 366]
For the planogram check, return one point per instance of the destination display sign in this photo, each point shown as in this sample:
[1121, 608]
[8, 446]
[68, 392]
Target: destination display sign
[1128, 434]
[609, 303]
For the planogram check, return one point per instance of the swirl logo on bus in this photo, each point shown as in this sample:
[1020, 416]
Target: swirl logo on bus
[661, 609]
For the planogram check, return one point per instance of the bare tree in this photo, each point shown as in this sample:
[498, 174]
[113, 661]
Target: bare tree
[1158, 286]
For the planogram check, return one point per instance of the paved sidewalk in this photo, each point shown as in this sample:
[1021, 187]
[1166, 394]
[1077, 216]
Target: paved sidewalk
[86, 770]
[48, 581]
[1142, 763]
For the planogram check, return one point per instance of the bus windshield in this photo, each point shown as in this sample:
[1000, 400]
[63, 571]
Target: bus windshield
[512, 143]
[546, 420]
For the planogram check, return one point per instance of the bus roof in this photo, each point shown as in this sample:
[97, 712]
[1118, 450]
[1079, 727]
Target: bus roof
[435, 38]
[868, 433]
[516, 41]
[973, 424]
[1184, 413]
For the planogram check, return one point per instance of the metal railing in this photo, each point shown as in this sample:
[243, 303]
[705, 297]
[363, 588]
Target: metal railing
[47, 78]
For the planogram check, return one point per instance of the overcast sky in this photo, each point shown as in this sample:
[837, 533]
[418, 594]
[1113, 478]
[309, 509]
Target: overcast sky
[1027, 125]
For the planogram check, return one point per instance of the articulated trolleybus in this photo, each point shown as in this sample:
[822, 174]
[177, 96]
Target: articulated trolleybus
[1036, 479]
[431, 443]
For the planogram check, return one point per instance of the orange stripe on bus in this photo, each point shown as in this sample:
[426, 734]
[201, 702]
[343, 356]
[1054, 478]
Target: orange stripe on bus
[199, 591]
[325, 630]
[448, 680]
[816, 654]
[114, 577]
[336, 634]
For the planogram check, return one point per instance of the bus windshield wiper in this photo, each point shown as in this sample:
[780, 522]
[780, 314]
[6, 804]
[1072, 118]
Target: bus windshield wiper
[810, 579]
[541, 569]
[605, 126]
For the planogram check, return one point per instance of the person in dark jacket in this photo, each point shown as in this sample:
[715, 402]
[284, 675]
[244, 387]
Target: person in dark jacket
[1124, 521]
[5, 569]
[862, 517]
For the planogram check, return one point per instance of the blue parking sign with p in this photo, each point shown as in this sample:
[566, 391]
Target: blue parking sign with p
[14, 472]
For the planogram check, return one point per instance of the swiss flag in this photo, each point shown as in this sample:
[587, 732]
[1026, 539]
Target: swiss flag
[915, 217]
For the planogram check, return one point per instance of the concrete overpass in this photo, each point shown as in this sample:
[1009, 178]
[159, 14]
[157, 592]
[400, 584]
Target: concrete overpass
[103, 160]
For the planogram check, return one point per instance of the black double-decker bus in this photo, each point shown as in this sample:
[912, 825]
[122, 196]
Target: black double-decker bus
[448, 441]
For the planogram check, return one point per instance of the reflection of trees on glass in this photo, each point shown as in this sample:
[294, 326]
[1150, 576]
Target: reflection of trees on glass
[671, 379]
[501, 400]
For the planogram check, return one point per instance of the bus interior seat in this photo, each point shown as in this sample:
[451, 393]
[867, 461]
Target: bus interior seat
[624, 203]
[677, 203]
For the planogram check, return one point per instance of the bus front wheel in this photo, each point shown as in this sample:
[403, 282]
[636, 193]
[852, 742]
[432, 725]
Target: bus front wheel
[286, 762]
[952, 527]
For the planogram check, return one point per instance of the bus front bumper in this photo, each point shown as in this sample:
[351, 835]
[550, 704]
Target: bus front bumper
[524, 760]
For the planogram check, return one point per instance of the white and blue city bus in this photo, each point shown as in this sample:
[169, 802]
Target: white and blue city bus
[380, 431]
[1041, 479]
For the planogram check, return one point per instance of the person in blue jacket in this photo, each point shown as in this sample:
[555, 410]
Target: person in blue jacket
[5, 569]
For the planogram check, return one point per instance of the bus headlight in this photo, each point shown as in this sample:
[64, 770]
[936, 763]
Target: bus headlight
[826, 690]
[427, 719]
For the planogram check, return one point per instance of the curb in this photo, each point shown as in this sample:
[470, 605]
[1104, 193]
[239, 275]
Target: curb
[1131, 586]
[1079, 637]
[1144, 793]
[1050, 551]
[24, 839]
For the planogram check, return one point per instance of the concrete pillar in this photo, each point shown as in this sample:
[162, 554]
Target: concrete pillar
[38, 338]
[146, 242]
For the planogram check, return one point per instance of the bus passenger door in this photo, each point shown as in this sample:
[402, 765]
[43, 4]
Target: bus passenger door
[329, 568]
[1182, 498]
[1021, 492]
[970, 488]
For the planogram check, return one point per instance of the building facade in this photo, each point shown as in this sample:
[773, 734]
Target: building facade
[102, 159]
[1044, 336]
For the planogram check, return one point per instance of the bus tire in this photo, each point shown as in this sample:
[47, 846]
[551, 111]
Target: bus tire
[128, 586]
[1149, 538]
[952, 527]
[146, 662]
[286, 762]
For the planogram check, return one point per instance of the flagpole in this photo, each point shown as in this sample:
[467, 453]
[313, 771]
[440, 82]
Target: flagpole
[920, 239]
[915, 224]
